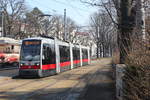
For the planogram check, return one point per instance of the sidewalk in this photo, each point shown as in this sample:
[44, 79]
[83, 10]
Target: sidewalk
[101, 85]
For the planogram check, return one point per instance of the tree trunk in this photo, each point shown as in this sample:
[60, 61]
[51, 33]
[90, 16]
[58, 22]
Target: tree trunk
[97, 50]
[126, 25]
[103, 49]
[100, 50]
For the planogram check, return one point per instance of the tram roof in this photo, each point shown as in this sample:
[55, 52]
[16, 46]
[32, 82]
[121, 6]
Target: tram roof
[59, 41]
[35, 38]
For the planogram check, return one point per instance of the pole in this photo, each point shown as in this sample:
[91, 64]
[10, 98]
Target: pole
[2, 24]
[65, 35]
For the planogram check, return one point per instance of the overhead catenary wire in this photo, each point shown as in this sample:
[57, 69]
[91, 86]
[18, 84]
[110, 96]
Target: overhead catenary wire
[69, 4]
[54, 10]
[77, 11]
[44, 5]
[74, 8]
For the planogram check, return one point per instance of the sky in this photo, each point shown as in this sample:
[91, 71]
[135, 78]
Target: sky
[76, 10]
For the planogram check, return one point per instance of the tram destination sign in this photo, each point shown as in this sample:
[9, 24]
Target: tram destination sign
[31, 42]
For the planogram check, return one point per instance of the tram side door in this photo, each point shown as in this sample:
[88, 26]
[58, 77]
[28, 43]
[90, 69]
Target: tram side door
[48, 58]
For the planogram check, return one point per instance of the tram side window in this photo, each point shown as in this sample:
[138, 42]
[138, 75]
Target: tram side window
[76, 53]
[64, 53]
[53, 57]
[48, 54]
[84, 54]
[67, 54]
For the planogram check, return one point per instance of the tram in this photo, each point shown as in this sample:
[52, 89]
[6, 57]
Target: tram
[44, 56]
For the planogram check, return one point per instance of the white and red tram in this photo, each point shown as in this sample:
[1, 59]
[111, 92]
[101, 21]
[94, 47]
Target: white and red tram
[45, 56]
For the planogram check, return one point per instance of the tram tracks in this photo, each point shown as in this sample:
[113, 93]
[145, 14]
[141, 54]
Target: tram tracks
[6, 87]
[8, 91]
[13, 81]
[37, 92]
[44, 84]
[63, 95]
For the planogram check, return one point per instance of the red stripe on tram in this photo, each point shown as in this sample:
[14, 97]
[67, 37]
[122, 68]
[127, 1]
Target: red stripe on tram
[52, 66]
[76, 61]
[30, 67]
[49, 66]
[63, 64]
[85, 60]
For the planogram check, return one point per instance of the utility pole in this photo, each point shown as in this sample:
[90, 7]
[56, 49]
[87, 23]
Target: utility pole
[65, 35]
[2, 22]
[2, 28]
[140, 18]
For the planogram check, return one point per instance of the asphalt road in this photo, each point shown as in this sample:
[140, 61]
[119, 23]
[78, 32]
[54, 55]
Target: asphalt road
[91, 82]
[7, 66]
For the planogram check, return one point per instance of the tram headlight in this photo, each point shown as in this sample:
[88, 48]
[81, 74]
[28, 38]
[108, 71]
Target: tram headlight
[37, 64]
[21, 64]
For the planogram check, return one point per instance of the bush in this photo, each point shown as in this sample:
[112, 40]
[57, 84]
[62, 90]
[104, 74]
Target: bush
[137, 74]
[136, 83]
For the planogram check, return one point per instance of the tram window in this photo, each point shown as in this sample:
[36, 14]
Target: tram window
[73, 53]
[64, 53]
[68, 53]
[76, 53]
[48, 56]
[44, 54]
[84, 54]
[61, 53]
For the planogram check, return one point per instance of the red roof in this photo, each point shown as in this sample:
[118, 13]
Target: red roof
[82, 33]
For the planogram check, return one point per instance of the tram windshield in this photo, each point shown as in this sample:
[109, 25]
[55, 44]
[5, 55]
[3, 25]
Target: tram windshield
[30, 50]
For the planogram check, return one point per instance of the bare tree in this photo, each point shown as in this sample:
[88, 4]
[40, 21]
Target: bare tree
[102, 30]
[56, 27]
[13, 11]
[32, 22]
[124, 20]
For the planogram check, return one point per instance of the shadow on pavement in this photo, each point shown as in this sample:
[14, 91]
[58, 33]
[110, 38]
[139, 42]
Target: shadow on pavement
[101, 86]
[94, 92]
[46, 94]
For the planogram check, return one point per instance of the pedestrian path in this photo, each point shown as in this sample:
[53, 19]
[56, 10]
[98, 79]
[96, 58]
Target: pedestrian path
[101, 85]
